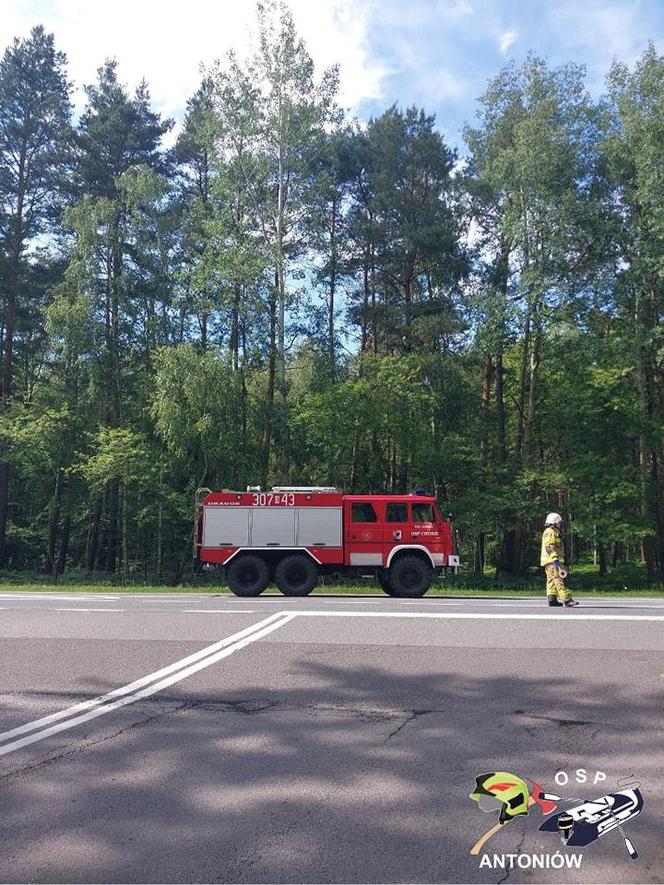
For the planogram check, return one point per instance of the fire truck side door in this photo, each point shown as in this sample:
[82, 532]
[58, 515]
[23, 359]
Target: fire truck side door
[364, 530]
[396, 528]
[426, 529]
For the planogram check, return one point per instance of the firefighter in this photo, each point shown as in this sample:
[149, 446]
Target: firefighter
[552, 551]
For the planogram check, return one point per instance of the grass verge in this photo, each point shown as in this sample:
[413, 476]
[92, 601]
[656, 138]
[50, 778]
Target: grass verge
[447, 588]
[627, 579]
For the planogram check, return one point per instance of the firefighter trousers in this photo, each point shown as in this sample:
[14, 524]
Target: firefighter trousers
[555, 585]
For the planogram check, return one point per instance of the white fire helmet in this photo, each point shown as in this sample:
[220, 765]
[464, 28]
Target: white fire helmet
[553, 519]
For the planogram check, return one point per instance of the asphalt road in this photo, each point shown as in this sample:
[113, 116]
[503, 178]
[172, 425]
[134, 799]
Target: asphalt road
[336, 742]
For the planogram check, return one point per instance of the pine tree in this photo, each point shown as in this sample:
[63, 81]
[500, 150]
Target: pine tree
[34, 131]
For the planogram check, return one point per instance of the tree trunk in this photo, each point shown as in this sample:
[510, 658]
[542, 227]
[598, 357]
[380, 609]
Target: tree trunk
[479, 553]
[523, 376]
[64, 546]
[53, 522]
[332, 293]
[269, 399]
[160, 523]
[532, 388]
[364, 322]
[500, 411]
[11, 294]
[403, 474]
[601, 558]
[487, 377]
[374, 312]
[125, 536]
[647, 452]
[235, 328]
[408, 303]
[4, 510]
[502, 285]
[617, 554]
[93, 537]
[112, 527]
[282, 392]
[243, 392]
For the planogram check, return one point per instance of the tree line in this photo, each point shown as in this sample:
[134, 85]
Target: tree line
[288, 296]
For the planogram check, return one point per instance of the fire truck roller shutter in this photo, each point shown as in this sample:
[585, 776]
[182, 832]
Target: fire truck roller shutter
[226, 527]
[319, 526]
[273, 527]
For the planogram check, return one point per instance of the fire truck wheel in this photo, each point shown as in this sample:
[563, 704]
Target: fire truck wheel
[296, 575]
[383, 578]
[248, 575]
[410, 576]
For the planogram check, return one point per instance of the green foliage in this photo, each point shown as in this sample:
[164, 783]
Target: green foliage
[289, 296]
[117, 455]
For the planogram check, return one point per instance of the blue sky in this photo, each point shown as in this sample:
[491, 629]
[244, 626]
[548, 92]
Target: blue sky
[441, 54]
[435, 53]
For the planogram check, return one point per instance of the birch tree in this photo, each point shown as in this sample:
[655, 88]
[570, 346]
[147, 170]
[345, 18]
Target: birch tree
[273, 115]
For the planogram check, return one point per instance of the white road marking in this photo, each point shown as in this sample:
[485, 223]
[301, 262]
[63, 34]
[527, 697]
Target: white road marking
[427, 604]
[594, 605]
[71, 609]
[167, 676]
[515, 604]
[349, 601]
[56, 597]
[627, 605]
[131, 692]
[217, 611]
[571, 615]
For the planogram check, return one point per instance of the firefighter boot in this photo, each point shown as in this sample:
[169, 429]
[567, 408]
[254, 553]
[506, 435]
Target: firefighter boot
[570, 602]
[552, 599]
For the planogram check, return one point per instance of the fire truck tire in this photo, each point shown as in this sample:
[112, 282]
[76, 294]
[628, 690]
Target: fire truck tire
[383, 578]
[248, 575]
[296, 575]
[410, 576]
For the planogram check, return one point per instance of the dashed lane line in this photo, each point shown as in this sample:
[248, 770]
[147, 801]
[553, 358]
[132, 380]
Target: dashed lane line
[349, 601]
[6, 594]
[71, 609]
[427, 603]
[217, 611]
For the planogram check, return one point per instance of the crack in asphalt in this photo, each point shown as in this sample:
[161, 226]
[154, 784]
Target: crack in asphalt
[518, 851]
[87, 744]
[244, 706]
[414, 714]
[563, 723]
[253, 706]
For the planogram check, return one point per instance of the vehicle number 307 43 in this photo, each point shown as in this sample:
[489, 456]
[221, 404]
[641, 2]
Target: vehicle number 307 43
[266, 499]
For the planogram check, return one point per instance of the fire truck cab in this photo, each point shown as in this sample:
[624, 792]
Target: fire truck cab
[292, 535]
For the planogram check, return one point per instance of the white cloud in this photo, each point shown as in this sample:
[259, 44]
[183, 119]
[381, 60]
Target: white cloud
[166, 42]
[336, 33]
[443, 84]
[506, 40]
[598, 32]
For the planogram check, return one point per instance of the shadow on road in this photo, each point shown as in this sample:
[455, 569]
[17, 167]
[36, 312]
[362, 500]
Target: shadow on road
[317, 768]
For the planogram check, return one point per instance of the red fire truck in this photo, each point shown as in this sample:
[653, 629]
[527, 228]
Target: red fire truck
[291, 535]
